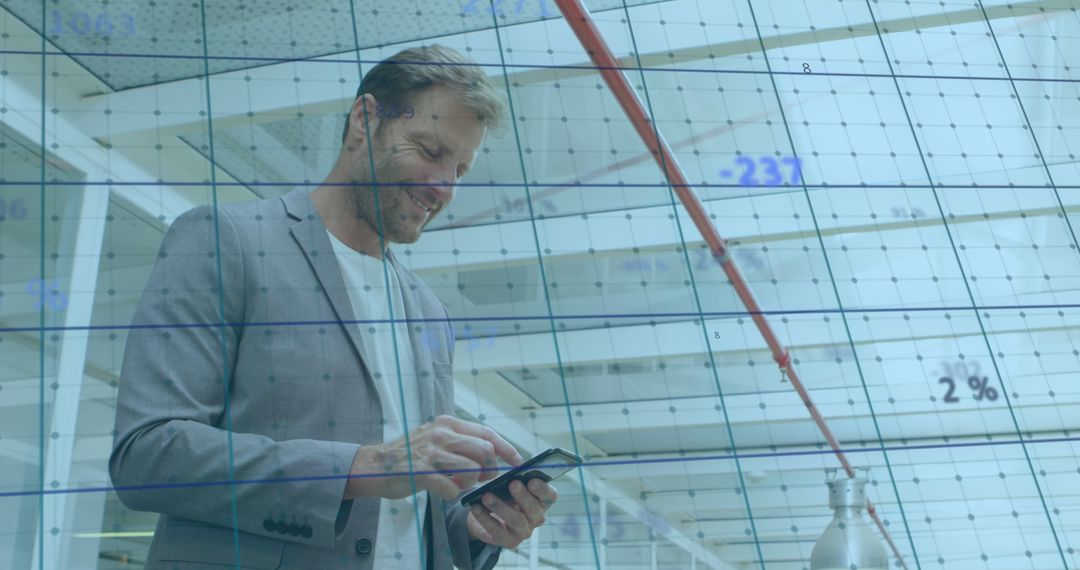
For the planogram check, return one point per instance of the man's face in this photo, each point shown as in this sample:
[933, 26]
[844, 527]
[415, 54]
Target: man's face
[417, 163]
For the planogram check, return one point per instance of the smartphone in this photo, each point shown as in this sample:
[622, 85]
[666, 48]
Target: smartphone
[545, 466]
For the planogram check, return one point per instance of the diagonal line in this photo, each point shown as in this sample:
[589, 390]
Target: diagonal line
[584, 464]
[543, 279]
[1030, 127]
[967, 287]
[41, 316]
[673, 200]
[738, 47]
[871, 510]
[226, 368]
[569, 316]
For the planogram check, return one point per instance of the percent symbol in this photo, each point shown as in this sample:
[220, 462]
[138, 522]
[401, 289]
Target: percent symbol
[981, 390]
[51, 296]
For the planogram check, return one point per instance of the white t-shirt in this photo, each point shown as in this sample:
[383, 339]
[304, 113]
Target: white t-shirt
[398, 543]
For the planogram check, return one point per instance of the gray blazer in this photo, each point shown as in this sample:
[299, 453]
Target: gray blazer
[239, 412]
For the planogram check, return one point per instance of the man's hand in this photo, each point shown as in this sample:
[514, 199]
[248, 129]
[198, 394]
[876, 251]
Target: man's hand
[509, 524]
[448, 456]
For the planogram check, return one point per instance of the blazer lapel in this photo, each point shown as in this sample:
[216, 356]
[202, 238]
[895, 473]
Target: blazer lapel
[310, 233]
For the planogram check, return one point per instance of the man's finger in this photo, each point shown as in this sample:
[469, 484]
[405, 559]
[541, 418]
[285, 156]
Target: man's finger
[463, 471]
[544, 492]
[527, 503]
[518, 525]
[477, 530]
[496, 529]
[479, 451]
[440, 485]
[502, 447]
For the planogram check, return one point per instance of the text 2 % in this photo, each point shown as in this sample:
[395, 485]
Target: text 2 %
[979, 388]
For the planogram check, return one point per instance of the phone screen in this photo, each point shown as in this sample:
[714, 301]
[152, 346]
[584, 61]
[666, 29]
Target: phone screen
[546, 466]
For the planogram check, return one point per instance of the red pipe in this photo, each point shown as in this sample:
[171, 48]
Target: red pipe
[581, 23]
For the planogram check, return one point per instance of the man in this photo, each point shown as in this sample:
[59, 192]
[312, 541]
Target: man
[287, 386]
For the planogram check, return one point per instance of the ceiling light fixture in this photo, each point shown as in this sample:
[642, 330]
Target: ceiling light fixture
[129, 534]
[848, 543]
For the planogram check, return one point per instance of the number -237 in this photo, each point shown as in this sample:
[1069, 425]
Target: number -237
[770, 171]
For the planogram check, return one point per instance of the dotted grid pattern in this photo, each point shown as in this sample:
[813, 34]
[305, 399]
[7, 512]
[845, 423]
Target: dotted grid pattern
[111, 38]
[880, 149]
[898, 181]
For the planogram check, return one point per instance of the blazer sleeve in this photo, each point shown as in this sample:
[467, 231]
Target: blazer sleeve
[174, 451]
[468, 553]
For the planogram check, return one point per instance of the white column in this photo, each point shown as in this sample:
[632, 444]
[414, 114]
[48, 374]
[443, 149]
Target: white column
[83, 231]
[656, 540]
[87, 511]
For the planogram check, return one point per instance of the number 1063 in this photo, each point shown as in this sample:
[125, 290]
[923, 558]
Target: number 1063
[84, 24]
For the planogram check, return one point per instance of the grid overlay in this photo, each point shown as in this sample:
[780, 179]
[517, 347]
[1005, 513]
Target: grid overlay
[896, 181]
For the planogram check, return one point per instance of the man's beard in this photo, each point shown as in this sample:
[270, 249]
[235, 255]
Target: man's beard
[390, 219]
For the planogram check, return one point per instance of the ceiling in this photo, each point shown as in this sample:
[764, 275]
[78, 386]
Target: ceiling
[130, 44]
